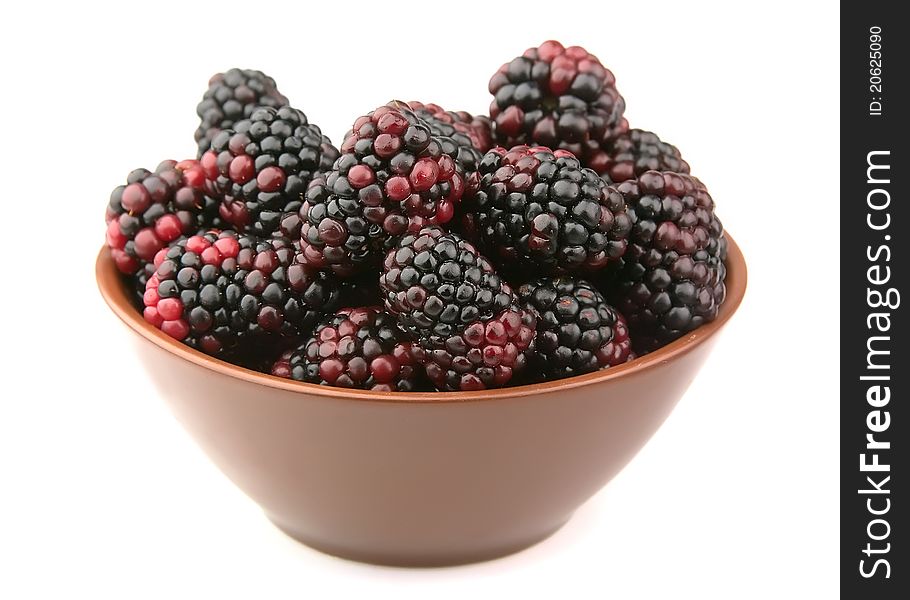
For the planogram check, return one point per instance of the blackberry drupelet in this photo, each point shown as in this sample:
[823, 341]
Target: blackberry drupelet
[637, 151]
[261, 167]
[577, 331]
[672, 279]
[469, 329]
[557, 97]
[355, 348]
[154, 209]
[216, 290]
[394, 175]
[232, 96]
[282, 366]
[539, 209]
[456, 125]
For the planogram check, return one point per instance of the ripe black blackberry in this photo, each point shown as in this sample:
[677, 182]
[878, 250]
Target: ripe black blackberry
[394, 175]
[216, 290]
[637, 151]
[540, 210]
[557, 97]
[354, 348]
[672, 279]
[153, 210]
[577, 331]
[261, 168]
[470, 331]
[232, 96]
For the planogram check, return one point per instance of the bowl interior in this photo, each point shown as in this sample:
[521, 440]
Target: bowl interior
[115, 291]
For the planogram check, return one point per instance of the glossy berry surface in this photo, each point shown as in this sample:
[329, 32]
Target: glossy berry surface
[261, 168]
[463, 127]
[672, 279]
[153, 210]
[231, 97]
[635, 152]
[557, 97]
[469, 330]
[394, 175]
[218, 290]
[540, 209]
[359, 347]
[577, 331]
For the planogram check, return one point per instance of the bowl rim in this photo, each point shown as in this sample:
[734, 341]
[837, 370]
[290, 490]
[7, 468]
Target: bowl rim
[113, 289]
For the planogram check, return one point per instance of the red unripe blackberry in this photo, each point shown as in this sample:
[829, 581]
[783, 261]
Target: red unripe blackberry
[354, 348]
[232, 96]
[469, 329]
[577, 331]
[539, 209]
[672, 279]
[218, 290]
[557, 97]
[394, 175]
[261, 167]
[153, 210]
[636, 151]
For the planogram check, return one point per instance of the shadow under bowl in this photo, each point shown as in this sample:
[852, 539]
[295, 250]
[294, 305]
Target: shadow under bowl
[418, 479]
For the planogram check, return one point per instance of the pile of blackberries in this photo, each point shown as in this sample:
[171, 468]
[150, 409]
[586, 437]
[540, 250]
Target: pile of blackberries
[434, 249]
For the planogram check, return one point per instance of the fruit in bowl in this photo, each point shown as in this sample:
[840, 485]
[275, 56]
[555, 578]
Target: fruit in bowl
[432, 344]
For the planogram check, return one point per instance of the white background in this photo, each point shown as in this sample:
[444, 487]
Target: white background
[104, 496]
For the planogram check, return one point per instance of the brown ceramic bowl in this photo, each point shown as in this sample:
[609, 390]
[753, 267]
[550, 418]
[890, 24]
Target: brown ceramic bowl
[421, 478]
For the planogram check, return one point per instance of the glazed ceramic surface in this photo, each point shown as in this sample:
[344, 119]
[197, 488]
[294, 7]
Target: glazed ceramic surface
[419, 479]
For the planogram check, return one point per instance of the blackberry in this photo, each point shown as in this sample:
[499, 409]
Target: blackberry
[577, 331]
[469, 329]
[355, 348]
[394, 175]
[458, 125]
[261, 167]
[154, 209]
[557, 97]
[672, 279]
[539, 209]
[635, 152]
[216, 290]
[233, 96]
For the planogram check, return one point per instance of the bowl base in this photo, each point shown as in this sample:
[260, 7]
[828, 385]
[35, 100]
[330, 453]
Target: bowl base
[418, 558]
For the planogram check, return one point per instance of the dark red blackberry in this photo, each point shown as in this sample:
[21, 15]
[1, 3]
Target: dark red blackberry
[394, 175]
[232, 96]
[216, 290]
[455, 124]
[154, 209]
[672, 279]
[637, 151]
[261, 168]
[540, 209]
[469, 329]
[355, 348]
[577, 331]
[557, 97]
